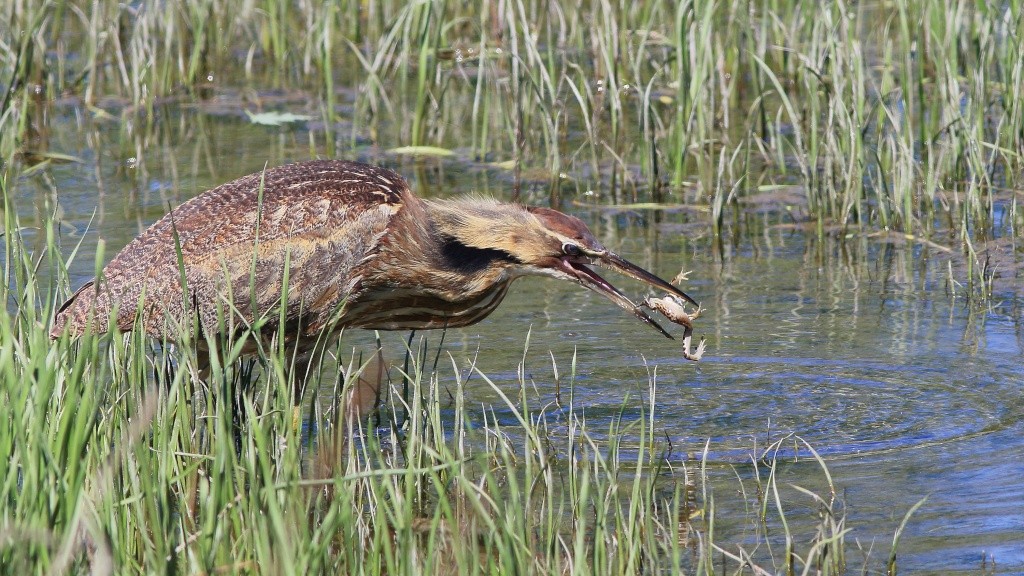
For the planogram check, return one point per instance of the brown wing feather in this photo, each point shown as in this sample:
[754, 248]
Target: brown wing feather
[322, 217]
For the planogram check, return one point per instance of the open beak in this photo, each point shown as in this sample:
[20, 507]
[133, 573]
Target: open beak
[591, 280]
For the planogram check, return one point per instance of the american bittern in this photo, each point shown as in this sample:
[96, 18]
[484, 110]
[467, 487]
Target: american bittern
[357, 249]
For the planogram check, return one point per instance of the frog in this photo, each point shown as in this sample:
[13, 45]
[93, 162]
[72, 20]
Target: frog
[672, 308]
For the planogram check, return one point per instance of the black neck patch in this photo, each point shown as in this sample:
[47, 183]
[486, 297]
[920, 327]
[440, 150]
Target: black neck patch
[465, 259]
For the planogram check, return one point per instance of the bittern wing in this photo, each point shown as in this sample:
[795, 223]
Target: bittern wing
[314, 222]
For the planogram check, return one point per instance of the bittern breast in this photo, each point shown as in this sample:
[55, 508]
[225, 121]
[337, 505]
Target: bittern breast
[415, 309]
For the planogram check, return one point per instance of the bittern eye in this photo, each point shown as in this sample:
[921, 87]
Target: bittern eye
[571, 249]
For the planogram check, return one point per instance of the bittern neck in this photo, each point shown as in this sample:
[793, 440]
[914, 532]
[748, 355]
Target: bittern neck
[480, 222]
[446, 252]
[432, 276]
[468, 237]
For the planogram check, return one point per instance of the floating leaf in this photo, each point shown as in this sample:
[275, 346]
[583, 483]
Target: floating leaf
[775, 187]
[276, 118]
[422, 151]
[645, 206]
[100, 114]
[57, 157]
[506, 165]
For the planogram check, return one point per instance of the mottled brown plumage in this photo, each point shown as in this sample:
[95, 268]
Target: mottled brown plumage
[361, 251]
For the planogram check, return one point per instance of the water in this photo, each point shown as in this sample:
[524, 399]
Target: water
[856, 347]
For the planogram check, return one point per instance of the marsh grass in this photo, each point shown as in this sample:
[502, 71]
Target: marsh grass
[895, 116]
[119, 460]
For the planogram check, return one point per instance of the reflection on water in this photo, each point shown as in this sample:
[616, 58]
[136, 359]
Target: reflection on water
[854, 346]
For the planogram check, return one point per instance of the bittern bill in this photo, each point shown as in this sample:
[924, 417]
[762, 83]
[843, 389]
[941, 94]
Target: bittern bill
[336, 244]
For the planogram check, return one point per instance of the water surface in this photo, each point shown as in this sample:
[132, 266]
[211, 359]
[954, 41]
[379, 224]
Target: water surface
[860, 346]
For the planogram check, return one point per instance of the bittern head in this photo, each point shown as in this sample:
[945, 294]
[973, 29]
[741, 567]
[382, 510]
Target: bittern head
[542, 241]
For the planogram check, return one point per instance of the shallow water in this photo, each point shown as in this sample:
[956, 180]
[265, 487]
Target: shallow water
[857, 347]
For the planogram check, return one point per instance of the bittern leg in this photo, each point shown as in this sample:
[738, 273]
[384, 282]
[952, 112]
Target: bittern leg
[363, 395]
[359, 397]
[304, 366]
[201, 371]
[233, 389]
[354, 403]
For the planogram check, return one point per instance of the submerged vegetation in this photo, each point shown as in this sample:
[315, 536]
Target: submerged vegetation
[839, 119]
